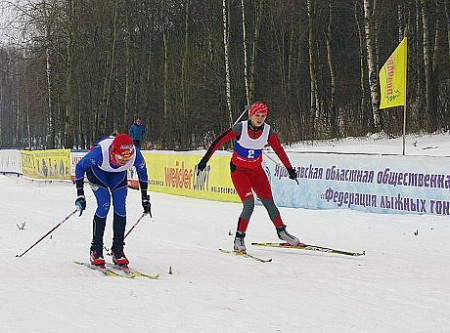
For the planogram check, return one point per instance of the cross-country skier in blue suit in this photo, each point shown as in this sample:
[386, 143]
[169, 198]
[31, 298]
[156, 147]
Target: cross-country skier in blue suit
[106, 168]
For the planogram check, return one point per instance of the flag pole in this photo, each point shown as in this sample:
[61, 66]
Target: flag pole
[392, 77]
[406, 89]
[404, 129]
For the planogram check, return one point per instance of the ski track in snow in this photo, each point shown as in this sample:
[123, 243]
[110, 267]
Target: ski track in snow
[402, 284]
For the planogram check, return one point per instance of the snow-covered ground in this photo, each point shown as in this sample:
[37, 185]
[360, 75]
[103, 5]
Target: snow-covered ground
[430, 144]
[402, 284]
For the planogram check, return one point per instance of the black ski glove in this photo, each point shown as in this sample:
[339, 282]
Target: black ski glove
[80, 203]
[292, 173]
[146, 204]
[201, 165]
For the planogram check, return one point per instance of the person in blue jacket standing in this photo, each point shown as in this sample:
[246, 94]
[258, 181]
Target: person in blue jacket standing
[137, 131]
[106, 168]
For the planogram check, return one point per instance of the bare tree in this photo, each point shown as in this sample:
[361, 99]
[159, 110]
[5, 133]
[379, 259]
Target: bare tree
[87, 65]
[447, 16]
[362, 60]
[371, 61]
[332, 69]
[314, 94]
[185, 140]
[244, 47]
[259, 12]
[226, 46]
[428, 65]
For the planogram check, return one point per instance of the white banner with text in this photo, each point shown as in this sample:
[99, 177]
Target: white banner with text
[372, 183]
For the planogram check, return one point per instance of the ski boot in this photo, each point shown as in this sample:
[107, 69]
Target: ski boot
[239, 243]
[287, 237]
[96, 256]
[119, 258]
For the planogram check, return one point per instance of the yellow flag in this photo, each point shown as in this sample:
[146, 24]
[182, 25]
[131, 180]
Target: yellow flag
[393, 78]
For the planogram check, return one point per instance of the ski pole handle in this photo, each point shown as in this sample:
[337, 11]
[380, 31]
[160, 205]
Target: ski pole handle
[48, 233]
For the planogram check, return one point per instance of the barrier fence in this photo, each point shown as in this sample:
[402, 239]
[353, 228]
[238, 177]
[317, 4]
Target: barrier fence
[365, 182]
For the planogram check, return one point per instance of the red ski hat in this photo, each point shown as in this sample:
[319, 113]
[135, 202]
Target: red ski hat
[122, 149]
[258, 108]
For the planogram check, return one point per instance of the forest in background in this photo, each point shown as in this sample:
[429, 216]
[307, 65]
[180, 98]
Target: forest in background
[76, 70]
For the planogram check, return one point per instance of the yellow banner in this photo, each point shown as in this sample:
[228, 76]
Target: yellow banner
[46, 164]
[176, 174]
[393, 78]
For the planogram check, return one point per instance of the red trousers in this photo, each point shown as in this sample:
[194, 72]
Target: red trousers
[245, 180]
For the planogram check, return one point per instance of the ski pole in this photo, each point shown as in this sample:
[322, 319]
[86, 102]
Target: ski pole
[134, 226]
[270, 158]
[242, 114]
[48, 233]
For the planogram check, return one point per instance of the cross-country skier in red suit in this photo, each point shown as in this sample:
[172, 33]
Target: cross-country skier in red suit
[246, 172]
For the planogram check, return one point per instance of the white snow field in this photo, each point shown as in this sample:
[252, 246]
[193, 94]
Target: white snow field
[402, 284]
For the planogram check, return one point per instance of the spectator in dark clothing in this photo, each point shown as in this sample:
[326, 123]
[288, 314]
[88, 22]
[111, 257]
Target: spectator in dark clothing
[137, 131]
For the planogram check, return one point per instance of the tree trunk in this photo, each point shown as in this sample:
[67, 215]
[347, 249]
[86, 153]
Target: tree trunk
[400, 19]
[279, 46]
[371, 62]
[428, 66]
[109, 76]
[362, 66]
[375, 18]
[437, 49]
[256, 34]
[69, 116]
[69, 112]
[50, 141]
[128, 62]
[314, 100]
[447, 15]
[419, 63]
[166, 116]
[333, 116]
[291, 59]
[226, 43]
[244, 46]
[18, 105]
[28, 130]
[185, 89]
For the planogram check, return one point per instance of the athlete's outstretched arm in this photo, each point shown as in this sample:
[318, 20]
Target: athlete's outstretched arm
[279, 150]
[218, 142]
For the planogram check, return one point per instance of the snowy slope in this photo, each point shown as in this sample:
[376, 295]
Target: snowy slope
[402, 284]
[431, 144]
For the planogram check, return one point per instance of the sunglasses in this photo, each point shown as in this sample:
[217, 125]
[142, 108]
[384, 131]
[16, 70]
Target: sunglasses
[123, 159]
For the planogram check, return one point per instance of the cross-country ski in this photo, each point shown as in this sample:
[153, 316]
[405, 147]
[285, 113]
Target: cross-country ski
[104, 270]
[311, 248]
[246, 255]
[132, 272]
